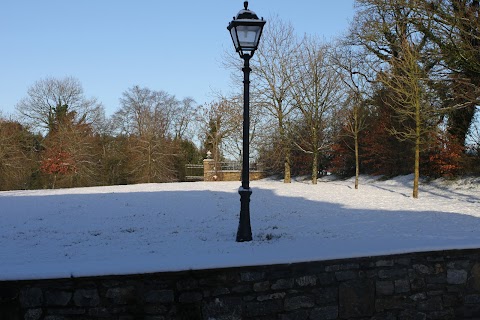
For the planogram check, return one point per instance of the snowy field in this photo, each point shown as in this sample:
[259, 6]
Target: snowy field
[171, 227]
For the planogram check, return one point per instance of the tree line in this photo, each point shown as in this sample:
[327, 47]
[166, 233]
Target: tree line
[397, 94]
[64, 139]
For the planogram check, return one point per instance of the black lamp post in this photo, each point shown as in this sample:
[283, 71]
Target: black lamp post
[246, 30]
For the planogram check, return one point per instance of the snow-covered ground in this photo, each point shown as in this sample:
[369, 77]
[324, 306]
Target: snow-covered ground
[171, 227]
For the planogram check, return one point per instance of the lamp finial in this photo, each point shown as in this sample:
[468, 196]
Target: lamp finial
[246, 5]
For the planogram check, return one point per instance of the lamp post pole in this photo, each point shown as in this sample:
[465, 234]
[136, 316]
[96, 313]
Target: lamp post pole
[245, 30]
[244, 232]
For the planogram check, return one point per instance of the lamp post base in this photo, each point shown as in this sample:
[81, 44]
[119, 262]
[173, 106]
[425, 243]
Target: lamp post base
[244, 232]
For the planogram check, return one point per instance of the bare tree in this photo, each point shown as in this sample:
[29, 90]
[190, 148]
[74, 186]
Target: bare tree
[398, 37]
[16, 155]
[453, 26]
[146, 118]
[219, 127]
[38, 108]
[272, 66]
[354, 74]
[408, 83]
[69, 156]
[183, 118]
[317, 92]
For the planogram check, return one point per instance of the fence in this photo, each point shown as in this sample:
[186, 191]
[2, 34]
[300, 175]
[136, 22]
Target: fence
[236, 166]
[194, 172]
[220, 171]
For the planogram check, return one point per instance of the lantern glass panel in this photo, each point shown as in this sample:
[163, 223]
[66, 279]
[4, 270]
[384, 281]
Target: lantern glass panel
[248, 37]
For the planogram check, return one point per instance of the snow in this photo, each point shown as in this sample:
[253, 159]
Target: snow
[180, 226]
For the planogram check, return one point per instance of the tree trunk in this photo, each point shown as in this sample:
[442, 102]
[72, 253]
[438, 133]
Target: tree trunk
[357, 162]
[286, 149]
[315, 167]
[149, 162]
[356, 130]
[54, 180]
[287, 174]
[417, 153]
[417, 169]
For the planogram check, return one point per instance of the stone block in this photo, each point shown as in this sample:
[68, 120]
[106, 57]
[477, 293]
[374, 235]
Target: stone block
[154, 318]
[272, 296]
[187, 284]
[326, 296]
[472, 299]
[436, 259]
[295, 315]
[384, 263]
[385, 288]
[432, 287]
[432, 304]
[422, 269]
[437, 279]
[473, 283]
[469, 311]
[282, 284]
[86, 298]
[155, 309]
[99, 312]
[392, 274]
[54, 317]
[33, 314]
[432, 293]
[459, 264]
[57, 297]
[66, 311]
[384, 316]
[242, 288]
[405, 261]
[223, 308]
[159, 296]
[261, 286]
[8, 294]
[417, 284]
[189, 311]
[418, 296]
[342, 267]
[326, 313]
[346, 275]
[367, 274]
[325, 279]
[299, 302]
[438, 268]
[450, 300]
[121, 295]
[442, 314]
[31, 297]
[257, 309]
[220, 292]
[306, 281]
[190, 297]
[412, 315]
[215, 280]
[391, 303]
[457, 276]
[402, 286]
[357, 298]
[252, 276]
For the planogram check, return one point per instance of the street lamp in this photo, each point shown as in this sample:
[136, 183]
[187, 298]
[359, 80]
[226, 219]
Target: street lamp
[246, 30]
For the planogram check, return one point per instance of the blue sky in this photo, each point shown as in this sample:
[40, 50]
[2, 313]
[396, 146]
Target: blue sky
[175, 46]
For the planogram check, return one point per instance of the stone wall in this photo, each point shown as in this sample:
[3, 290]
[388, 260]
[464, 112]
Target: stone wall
[209, 173]
[434, 285]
